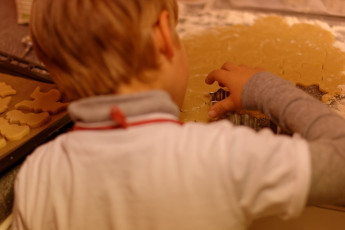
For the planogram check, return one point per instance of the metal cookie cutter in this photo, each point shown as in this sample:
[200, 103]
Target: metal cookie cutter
[235, 118]
[219, 95]
[243, 119]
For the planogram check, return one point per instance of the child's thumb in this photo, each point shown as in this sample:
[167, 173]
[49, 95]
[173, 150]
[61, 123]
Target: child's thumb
[221, 107]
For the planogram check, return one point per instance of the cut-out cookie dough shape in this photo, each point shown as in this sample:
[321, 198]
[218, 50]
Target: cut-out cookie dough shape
[6, 90]
[33, 120]
[13, 132]
[43, 102]
[2, 142]
[4, 102]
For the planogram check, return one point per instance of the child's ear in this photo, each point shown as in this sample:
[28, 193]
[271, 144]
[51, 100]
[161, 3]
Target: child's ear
[162, 35]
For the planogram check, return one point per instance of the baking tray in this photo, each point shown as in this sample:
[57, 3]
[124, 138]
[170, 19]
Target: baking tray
[17, 66]
[24, 77]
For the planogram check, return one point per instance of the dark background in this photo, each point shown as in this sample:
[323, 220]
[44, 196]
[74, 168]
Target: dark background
[11, 33]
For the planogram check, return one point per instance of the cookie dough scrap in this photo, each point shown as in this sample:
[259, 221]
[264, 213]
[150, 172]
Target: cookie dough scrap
[33, 120]
[4, 102]
[6, 90]
[43, 102]
[13, 132]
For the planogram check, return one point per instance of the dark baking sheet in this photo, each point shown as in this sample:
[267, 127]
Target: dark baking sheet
[24, 68]
[24, 82]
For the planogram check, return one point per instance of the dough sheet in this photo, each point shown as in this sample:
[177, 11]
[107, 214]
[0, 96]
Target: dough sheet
[302, 53]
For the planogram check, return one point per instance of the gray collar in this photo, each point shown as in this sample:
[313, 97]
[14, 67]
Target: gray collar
[97, 109]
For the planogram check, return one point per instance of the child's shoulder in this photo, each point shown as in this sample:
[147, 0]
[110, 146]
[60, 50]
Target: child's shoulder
[214, 130]
[45, 155]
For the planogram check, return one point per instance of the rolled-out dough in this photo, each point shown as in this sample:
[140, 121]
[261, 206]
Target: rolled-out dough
[302, 53]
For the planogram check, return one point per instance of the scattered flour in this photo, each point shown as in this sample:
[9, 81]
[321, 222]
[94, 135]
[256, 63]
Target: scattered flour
[193, 20]
[196, 19]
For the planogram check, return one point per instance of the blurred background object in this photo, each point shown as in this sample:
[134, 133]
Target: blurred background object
[193, 6]
[322, 7]
[13, 35]
[23, 11]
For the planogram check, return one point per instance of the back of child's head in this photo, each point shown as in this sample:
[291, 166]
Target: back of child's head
[91, 47]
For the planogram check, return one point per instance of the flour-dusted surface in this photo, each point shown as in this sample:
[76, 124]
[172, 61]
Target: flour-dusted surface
[197, 24]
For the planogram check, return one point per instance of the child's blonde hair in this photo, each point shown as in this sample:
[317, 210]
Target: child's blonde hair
[92, 46]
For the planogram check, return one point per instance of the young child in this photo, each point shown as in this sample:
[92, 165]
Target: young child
[130, 164]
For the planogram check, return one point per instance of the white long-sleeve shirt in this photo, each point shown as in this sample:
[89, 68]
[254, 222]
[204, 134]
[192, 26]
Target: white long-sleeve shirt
[162, 176]
[158, 174]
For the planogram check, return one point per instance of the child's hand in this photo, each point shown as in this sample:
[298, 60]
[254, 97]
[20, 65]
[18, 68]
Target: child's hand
[233, 77]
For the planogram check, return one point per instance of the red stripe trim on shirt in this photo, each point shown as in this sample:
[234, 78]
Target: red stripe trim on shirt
[76, 128]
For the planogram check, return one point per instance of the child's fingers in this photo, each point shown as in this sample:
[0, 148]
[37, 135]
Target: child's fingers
[221, 107]
[229, 66]
[221, 85]
[219, 75]
[211, 77]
